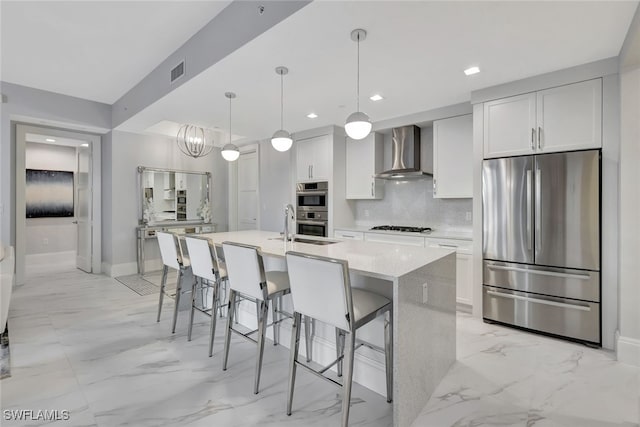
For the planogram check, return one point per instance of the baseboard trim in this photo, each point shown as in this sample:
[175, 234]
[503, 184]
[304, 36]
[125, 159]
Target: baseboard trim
[628, 350]
[49, 262]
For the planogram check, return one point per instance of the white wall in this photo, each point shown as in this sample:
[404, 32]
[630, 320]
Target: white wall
[628, 344]
[50, 235]
[121, 207]
[275, 186]
[24, 104]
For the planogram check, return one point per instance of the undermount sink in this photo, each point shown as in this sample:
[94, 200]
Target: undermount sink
[308, 241]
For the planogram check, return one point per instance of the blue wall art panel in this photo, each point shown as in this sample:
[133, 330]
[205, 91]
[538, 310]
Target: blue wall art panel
[49, 193]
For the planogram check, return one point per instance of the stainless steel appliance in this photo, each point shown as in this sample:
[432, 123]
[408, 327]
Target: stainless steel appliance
[541, 243]
[405, 155]
[312, 207]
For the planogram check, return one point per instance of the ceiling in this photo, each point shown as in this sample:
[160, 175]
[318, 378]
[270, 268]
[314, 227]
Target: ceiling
[414, 55]
[54, 140]
[96, 50]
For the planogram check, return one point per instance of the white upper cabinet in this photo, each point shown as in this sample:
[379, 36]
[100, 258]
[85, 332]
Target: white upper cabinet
[453, 157]
[509, 126]
[364, 159]
[570, 117]
[559, 119]
[313, 162]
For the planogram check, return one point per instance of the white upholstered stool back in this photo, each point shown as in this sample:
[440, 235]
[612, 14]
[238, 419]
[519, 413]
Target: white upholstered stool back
[320, 288]
[245, 269]
[202, 256]
[169, 249]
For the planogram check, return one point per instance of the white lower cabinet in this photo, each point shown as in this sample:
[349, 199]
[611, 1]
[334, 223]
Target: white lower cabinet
[348, 235]
[464, 270]
[394, 238]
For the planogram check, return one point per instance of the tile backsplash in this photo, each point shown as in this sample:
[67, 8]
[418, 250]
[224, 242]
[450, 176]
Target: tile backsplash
[411, 203]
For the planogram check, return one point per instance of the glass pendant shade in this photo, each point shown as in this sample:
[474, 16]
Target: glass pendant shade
[230, 152]
[358, 125]
[281, 140]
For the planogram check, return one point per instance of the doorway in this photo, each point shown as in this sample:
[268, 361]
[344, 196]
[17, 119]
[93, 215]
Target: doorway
[244, 194]
[57, 207]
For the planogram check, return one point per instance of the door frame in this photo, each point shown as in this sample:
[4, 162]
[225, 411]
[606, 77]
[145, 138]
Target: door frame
[233, 187]
[20, 185]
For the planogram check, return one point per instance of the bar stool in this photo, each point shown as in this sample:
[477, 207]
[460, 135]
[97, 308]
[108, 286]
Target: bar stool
[171, 254]
[206, 267]
[321, 289]
[245, 270]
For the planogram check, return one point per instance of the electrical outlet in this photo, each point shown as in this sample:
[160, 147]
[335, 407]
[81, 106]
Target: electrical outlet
[45, 241]
[366, 213]
[468, 216]
[425, 293]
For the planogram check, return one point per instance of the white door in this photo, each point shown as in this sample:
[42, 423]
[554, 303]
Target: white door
[509, 126]
[83, 209]
[321, 167]
[570, 117]
[248, 191]
[304, 159]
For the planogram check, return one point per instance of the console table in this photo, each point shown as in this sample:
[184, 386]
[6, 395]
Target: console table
[146, 232]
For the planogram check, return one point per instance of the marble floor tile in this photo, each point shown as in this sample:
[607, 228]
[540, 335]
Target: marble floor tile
[90, 345]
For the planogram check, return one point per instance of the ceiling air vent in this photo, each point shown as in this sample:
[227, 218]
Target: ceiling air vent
[177, 72]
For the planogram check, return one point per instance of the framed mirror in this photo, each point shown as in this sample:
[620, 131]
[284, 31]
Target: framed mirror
[168, 196]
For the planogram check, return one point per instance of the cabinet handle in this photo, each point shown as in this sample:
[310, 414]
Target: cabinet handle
[434, 187]
[309, 170]
[539, 138]
[444, 245]
[533, 138]
[372, 189]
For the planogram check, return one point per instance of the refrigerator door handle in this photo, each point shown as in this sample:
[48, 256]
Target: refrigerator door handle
[538, 213]
[541, 272]
[533, 139]
[540, 301]
[529, 228]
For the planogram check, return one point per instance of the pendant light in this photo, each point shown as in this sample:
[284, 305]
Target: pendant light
[194, 141]
[230, 152]
[281, 140]
[358, 124]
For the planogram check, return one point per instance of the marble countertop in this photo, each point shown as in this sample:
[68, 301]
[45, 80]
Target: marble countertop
[381, 260]
[438, 233]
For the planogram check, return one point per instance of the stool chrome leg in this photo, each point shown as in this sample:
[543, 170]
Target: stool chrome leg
[308, 337]
[339, 349]
[163, 281]
[275, 318]
[227, 337]
[194, 287]
[212, 332]
[295, 344]
[347, 380]
[175, 310]
[388, 352]
[262, 326]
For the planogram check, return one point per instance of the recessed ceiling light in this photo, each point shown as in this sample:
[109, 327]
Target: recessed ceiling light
[376, 97]
[312, 115]
[472, 70]
[84, 145]
[50, 140]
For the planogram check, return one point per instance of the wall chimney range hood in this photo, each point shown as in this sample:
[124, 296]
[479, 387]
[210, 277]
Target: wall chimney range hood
[405, 153]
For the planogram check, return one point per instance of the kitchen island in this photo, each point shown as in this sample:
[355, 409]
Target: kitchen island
[422, 285]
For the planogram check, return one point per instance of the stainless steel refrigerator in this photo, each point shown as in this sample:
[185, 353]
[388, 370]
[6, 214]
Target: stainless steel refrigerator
[541, 243]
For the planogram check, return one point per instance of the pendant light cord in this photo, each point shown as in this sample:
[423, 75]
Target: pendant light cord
[281, 100]
[358, 77]
[230, 120]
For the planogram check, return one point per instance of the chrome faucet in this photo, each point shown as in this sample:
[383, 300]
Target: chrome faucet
[289, 214]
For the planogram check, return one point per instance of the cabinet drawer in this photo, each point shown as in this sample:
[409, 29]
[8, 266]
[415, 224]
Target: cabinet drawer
[461, 246]
[394, 238]
[566, 317]
[351, 235]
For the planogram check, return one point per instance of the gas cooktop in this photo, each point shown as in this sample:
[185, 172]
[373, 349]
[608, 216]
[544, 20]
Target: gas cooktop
[402, 228]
